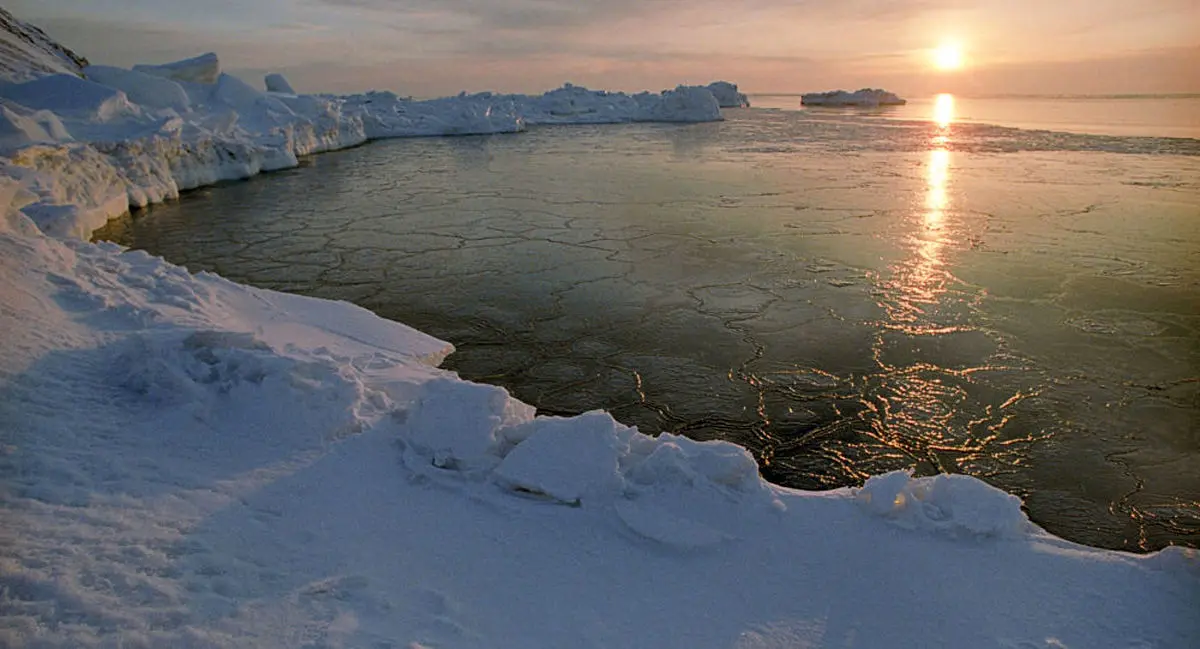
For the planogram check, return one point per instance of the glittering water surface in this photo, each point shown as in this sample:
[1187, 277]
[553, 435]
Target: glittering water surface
[842, 295]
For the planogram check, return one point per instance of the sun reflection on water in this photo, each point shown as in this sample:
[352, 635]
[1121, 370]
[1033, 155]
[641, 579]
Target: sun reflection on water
[919, 397]
[937, 174]
[943, 110]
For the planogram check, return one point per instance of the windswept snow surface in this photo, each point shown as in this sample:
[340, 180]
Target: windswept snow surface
[187, 462]
[866, 97]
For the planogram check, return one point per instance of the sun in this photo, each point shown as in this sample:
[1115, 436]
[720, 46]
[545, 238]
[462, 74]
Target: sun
[948, 56]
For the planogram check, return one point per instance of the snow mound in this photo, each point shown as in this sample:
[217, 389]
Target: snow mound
[277, 83]
[147, 90]
[71, 96]
[462, 426]
[567, 459]
[200, 69]
[21, 126]
[727, 94]
[866, 97]
[955, 505]
[26, 52]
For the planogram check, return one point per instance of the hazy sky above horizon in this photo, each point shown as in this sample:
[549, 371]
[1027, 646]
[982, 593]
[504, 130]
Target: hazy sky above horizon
[437, 47]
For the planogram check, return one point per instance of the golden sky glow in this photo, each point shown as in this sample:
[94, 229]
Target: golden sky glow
[948, 56]
[437, 47]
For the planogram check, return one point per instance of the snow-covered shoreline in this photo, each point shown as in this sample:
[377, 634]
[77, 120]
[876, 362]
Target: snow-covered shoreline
[79, 142]
[189, 462]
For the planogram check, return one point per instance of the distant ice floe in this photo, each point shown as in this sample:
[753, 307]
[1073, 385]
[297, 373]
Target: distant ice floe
[866, 97]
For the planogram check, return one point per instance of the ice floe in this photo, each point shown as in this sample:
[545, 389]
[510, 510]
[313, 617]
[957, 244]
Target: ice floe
[866, 97]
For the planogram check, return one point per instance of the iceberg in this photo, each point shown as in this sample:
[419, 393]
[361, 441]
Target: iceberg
[727, 94]
[866, 97]
[186, 461]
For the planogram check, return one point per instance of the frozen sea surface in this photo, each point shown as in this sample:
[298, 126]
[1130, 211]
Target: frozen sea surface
[843, 295]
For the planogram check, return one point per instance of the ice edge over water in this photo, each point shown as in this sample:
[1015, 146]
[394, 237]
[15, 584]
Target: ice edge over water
[196, 397]
[80, 144]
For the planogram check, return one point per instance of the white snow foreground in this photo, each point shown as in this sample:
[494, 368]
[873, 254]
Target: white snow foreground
[865, 97]
[188, 462]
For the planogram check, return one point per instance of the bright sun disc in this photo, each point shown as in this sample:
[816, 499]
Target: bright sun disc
[948, 57]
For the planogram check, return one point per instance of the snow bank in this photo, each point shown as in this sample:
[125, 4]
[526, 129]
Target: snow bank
[156, 130]
[144, 89]
[866, 97]
[277, 83]
[70, 97]
[956, 505]
[573, 104]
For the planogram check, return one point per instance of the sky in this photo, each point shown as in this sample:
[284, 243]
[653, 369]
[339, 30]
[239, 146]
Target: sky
[430, 48]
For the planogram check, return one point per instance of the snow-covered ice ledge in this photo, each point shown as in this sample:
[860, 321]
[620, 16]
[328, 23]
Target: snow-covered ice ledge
[189, 462]
[81, 142]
